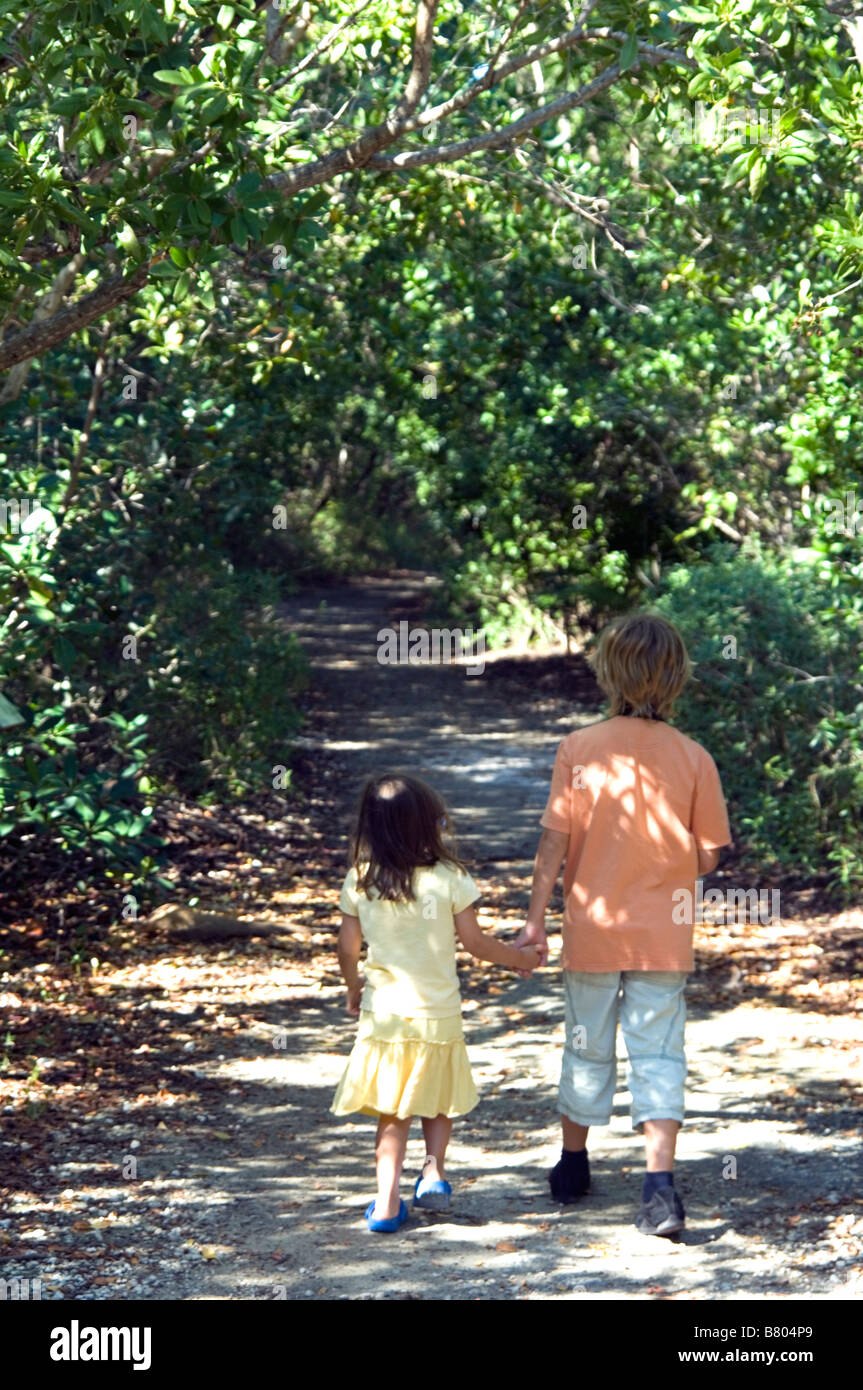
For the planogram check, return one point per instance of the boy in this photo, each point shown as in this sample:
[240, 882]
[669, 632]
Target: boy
[635, 813]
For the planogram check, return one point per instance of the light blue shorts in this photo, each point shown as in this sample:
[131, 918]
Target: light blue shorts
[652, 1013]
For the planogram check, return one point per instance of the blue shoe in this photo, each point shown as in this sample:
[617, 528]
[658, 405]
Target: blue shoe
[391, 1224]
[432, 1193]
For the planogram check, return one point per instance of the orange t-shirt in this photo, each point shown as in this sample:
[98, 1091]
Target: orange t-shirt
[637, 799]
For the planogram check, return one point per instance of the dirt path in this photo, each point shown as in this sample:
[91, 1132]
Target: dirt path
[244, 1186]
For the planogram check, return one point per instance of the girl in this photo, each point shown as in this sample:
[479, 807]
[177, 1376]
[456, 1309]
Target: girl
[407, 895]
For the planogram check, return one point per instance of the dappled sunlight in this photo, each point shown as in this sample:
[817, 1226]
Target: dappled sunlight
[213, 1066]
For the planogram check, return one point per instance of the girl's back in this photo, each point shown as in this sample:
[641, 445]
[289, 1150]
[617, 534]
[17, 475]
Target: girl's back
[410, 964]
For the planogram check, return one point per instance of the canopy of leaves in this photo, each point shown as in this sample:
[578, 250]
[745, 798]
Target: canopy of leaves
[545, 298]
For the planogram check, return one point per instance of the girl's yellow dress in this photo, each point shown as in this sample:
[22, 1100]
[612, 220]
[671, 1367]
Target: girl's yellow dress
[409, 1057]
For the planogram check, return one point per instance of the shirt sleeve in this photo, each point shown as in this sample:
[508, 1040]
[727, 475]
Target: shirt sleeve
[464, 891]
[558, 810]
[348, 897]
[709, 813]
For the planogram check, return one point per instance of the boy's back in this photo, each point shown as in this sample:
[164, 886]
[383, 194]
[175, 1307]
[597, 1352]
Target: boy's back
[637, 799]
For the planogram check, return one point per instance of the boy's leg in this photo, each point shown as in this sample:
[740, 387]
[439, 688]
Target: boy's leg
[390, 1148]
[660, 1140]
[652, 1019]
[436, 1133]
[574, 1136]
[588, 1073]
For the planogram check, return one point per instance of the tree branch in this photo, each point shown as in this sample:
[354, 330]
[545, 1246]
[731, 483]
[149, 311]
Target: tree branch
[92, 407]
[321, 46]
[360, 153]
[275, 50]
[533, 55]
[42, 314]
[440, 154]
[38, 337]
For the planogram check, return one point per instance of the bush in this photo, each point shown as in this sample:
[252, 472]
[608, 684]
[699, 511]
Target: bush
[220, 698]
[781, 710]
[91, 729]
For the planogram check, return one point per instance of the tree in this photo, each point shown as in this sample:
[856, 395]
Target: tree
[166, 141]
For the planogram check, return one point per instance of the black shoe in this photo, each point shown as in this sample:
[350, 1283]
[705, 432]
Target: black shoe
[663, 1215]
[569, 1179]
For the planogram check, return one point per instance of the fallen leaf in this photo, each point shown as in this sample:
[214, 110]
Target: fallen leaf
[507, 1247]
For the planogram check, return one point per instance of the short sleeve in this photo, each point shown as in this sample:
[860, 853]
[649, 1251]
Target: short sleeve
[709, 813]
[463, 891]
[558, 811]
[348, 896]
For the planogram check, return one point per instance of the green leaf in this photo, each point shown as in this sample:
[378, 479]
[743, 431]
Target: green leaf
[179, 77]
[629, 52]
[9, 715]
[694, 14]
[127, 238]
[214, 107]
[64, 653]
[73, 213]
[757, 176]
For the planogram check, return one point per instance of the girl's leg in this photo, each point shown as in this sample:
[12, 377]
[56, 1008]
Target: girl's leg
[390, 1148]
[436, 1133]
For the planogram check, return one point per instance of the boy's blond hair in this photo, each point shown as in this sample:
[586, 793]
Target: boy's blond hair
[642, 665]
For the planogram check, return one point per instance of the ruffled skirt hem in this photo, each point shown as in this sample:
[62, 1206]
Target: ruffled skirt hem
[406, 1078]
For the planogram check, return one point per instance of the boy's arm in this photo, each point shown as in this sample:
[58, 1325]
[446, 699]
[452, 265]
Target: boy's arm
[485, 947]
[350, 946]
[707, 860]
[551, 852]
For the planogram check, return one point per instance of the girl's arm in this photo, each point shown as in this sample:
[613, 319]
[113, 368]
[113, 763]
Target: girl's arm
[350, 945]
[485, 947]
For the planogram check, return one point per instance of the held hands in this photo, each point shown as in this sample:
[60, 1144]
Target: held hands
[533, 934]
[532, 960]
[352, 1004]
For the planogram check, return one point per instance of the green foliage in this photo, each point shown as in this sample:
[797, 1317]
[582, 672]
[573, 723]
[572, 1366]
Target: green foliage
[555, 370]
[140, 661]
[220, 703]
[777, 699]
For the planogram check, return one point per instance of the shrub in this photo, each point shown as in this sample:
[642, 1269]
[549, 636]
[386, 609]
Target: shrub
[777, 699]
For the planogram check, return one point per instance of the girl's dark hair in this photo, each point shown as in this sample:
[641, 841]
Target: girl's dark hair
[398, 829]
